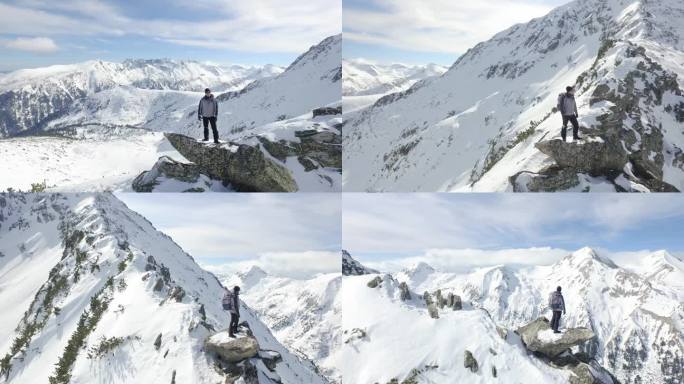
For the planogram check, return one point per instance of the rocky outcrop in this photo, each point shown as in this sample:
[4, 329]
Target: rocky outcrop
[232, 350]
[470, 363]
[244, 167]
[168, 168]
[454, 302]
[404, 293]
[538, 337]
[594, 157]
[315, 149]
[375, 282]
[325, 111]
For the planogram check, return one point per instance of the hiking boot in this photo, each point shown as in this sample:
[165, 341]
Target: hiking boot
[216, 142]
[205, 139]
[556, 331]
[232, 335]
[577, 138]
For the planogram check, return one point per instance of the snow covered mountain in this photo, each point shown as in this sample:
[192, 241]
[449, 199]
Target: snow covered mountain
[304, 314]
[93, 293]
[487, 124]
[636, 317]
[361, 77]
[350, 266]
[294, 118]
[30, 98]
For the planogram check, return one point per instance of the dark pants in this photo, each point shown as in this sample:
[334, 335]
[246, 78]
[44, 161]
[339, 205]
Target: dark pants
[234, 319]
[555, 320]
[572, 119]
[206, 121]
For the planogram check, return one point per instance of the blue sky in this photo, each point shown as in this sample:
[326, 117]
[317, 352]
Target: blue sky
[42, 32]
[437, 31]
[496, 227]
[285, 234]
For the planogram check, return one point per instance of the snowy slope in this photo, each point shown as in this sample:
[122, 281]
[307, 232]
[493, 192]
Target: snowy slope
[29, 98]
[387, 338]
[475, 127]
[80, 269]
[305, 315]
[636, 316]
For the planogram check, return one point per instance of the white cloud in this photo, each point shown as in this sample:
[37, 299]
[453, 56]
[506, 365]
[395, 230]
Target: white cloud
[444, 26]
[255, 26]
[288, 264]
[31, 44]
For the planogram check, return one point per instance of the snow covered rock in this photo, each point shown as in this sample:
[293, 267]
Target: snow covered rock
[405, 293]
[469, 362]
[351, 267]
[231, 349]
[242, 166]
[539, 337]
[166, 168]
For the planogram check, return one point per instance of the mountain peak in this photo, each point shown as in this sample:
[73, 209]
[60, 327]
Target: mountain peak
[351, 267]
[585, 254]
[253, 274]
[420, 267]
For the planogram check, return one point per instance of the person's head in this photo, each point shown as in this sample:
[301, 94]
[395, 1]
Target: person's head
[569, 89]
[558, 289]
[236, 289]
[207, 92]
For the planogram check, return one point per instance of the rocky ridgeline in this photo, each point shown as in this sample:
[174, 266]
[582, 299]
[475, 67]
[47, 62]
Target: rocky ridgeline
[243, 167]
[434, 301]
[351, 267]
[240, 359]
[557, 351]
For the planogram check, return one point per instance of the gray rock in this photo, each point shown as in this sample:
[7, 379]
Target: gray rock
[177, 293]
[157, 342]
[323, 111]
[569, 338]
[591, 374]
[469, 361]
[230, 349]
[433, 311]
[168, 168]
[493, 371]
[592, 157]
[375, 282]
[405, 294]
[454, 302]
[245, 167]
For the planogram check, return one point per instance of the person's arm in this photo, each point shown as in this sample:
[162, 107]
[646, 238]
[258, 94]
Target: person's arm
[216, 108]
[199, 110]
[237, 304]
[563, 301]
[576, 113]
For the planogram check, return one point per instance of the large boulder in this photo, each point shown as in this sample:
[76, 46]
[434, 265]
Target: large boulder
[245, 167]
[315, 149]
[539, 337]
[470, 362]
[230, 349]
[591, 373]
[404, 292]
[169, 168]
[595, 157]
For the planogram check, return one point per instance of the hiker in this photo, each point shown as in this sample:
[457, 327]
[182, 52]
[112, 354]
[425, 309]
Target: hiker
[231, 303]
[207, 112]
[557, 304]
[568, 109]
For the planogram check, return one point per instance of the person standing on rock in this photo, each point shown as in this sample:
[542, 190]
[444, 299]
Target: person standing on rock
[231, 303]
[568, 109]
[207, 112]
[557, 304]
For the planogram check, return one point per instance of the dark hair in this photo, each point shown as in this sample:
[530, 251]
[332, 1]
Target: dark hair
[558, 289]
[207, 90]
[236, 288]
[568, 88]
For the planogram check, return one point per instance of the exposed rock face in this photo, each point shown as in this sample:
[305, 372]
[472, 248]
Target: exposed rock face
[584, 373]
[470, 362]
[324, 111]
[232, 350]
[454, 302]
[169, 168]
[592, 157]
[351, 267]
[315, 149]
[538, 337]
[405, 294]
[244, 167]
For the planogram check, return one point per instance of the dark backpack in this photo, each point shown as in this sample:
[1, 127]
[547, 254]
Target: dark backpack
[228, 301]
[556, 301]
